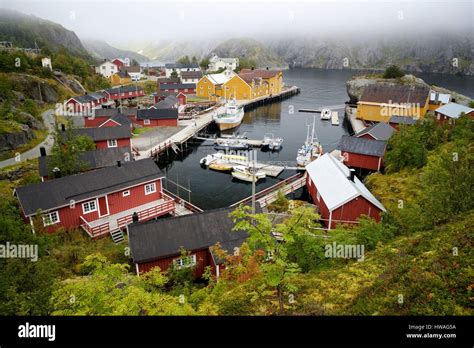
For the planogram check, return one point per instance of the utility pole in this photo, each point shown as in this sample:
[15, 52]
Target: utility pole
[253, 182]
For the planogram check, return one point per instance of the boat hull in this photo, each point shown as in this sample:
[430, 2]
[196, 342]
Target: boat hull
[225, 126]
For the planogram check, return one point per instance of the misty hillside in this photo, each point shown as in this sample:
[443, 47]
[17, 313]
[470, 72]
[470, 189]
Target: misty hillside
[169, 51]
[252, 50]
[24, 31]
[102, 50]
[413, 54]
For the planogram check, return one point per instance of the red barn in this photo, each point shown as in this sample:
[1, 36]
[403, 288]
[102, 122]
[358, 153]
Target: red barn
[85, 103]
[100, 201]
[340, 196]
[157, 117]
[377, 131]
[159, 243]
[396, 121]
[108, 137]
[362, 153]
[99, 116]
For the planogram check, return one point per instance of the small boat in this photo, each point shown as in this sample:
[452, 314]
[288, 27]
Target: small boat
[326, 114]
[231, 144]
[220, 166]
[231, 117]
[223, 159]
[275, 144]
[310, 150]
[270, 142]
[245, 174]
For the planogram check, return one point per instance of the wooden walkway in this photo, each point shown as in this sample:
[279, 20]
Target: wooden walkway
[270, 194]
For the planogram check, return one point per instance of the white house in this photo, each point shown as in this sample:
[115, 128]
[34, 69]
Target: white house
[217, 63]
[106, 69]
[135, 72]
[178, 67]
[46, 63]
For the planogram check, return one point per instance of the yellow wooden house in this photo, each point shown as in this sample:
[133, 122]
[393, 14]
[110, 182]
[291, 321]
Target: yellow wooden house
[379, 103]
[211, 86]
[120, 78]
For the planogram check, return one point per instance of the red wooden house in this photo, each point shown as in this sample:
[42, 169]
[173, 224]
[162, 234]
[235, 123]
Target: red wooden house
[99, 116]
[100, 201]
[124, 92]
[157, 117]
[159, 243]
[362, 153]
[185, 88]
[452, 111]
[108, 137]
[377, 131]
[340, 196]
[119, 62]
[85, 103]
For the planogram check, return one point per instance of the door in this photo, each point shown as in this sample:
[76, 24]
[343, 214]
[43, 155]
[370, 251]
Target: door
[103, 206]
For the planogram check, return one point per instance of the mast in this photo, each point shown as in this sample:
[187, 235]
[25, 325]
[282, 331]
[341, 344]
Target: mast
[312, 134]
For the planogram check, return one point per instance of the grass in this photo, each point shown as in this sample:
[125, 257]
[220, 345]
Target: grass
[196, 99]
[138, 131]
[421, 269]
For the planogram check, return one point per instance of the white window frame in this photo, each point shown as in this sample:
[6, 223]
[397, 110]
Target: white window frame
[126, 193]
[146, 121]
[152, 185]
[50, 217]
[112, 143]
[89, 210]
[181, 263]
[318, 196]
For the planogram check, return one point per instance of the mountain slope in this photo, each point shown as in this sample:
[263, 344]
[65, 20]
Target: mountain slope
[252, 50]
[26, 31]
[102, 50]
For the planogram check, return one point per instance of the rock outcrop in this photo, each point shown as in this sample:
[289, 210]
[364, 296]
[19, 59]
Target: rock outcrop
[14, 139]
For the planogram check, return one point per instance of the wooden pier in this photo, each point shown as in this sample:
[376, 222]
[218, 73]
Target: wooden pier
[270, 194]
[284, 94]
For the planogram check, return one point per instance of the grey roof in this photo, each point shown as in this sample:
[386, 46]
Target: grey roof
[453, 110]
[156, 114]
[105, 133]
[379, 131]
[84, 98]
[168, 86]
[165, 237]
[98, 95]
[60, 192]
[93, 159]
[402, 120]
[191, 74]
[169, 102]
[362, 146]
[122, 119]
[113, 112]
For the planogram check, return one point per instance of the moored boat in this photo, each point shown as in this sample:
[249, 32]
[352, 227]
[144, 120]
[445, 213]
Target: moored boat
[231, 117]
[245, 174]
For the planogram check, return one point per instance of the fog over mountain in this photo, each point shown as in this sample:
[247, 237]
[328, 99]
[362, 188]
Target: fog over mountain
[418, 35]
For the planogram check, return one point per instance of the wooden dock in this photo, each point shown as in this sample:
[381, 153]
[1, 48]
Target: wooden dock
[335, 118]
[357, 125]
[286, 93]
[270, 194]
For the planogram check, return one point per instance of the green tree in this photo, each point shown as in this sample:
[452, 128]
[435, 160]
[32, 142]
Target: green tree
[405, 150]
[109, 289]
[204, 63]
[66, 150]
[174, 74]
[393, 72]
[184, 60]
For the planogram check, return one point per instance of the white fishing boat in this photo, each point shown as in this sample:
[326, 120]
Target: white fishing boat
[245, 174]
[310, 150]
[231, 117]
[230, 144]
[275, 144]
[223, 159]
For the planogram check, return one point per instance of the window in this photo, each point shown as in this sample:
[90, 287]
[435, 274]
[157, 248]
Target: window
[318, 196]
[129, 93]
[184, 262]
[50, 218]
[150, 188]
[89, 207]
[126, 193]
[112, 143]
[146, 121]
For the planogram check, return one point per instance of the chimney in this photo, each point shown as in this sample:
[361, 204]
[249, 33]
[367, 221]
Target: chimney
[253, 68]
[351, 174]
[267, 68]
[119, 163]
[63, 127]
[56, 173]
[135, 217]
[42, 151]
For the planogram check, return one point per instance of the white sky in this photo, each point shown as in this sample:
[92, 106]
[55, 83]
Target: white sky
[120, 22]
